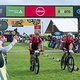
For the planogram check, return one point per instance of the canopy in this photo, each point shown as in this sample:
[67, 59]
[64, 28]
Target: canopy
[66, 24]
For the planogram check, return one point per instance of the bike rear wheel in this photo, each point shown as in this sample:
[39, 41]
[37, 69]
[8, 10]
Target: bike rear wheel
[36, 66]
[70, 64]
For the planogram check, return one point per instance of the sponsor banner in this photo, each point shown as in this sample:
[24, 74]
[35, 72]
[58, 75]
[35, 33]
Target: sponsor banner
[19, 22]
[15, 11]
[64, 11]
[76, 10]
[2, 11]
[24, 22]
[37, 28]
[34, 21]
[39, 11]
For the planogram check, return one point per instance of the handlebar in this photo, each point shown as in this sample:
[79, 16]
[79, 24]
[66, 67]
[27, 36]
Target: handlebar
[37, 51]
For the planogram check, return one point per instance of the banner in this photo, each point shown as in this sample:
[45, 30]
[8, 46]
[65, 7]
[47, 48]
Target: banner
[23, 22]
[64, 11]
[37, 28]
[39, 11]
[76, 11]
[15, 11]
[36, 11]
[2, 11]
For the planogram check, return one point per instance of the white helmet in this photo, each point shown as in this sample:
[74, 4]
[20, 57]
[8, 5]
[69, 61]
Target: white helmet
[70, 34]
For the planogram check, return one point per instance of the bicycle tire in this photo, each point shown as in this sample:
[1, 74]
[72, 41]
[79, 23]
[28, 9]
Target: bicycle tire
[36, 66]
[70, 64]
[32, 65]
[63, 65]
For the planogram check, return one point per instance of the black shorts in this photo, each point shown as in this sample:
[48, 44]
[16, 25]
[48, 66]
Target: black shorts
[31, 52]
[66, 46]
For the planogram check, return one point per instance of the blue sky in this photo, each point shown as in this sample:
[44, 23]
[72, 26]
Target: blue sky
[39, 2]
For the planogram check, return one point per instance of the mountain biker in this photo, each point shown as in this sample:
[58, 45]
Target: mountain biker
[35, 42]
[68, 43]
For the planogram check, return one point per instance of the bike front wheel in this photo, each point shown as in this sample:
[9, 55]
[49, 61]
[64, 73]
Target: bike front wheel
[63, 63]
[70, 64]
[32, 65]
[36, 66]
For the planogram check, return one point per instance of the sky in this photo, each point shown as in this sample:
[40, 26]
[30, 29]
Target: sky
[39, 2]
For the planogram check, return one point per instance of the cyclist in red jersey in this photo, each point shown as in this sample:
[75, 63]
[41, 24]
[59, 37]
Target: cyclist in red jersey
[68, 43]
[35, 42]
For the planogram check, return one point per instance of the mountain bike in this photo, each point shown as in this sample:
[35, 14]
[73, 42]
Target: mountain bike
[68, 61]
[35, 62]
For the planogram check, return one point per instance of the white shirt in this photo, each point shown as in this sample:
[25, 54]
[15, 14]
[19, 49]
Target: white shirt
[7, 48]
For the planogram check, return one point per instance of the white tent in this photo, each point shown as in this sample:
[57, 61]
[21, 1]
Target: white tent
[66, 24]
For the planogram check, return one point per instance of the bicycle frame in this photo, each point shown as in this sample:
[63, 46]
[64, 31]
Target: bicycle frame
[67, 56]
[35, 62]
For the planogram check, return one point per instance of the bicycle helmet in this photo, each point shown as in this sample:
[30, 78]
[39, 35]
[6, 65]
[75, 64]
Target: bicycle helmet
[69, 34]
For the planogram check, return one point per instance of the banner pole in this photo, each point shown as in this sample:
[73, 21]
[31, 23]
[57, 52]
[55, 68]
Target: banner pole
[79, 34]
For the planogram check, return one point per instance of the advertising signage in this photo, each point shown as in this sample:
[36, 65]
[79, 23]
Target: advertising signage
[15, 11]
[37, 26]
[76, 10]
[39, 11]
[19, 22]
[2, 11]
[64, 11]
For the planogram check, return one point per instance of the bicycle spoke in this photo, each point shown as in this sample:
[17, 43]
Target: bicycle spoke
[70, 64]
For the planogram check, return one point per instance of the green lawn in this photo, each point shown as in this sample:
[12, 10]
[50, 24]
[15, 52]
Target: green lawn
[18, 66]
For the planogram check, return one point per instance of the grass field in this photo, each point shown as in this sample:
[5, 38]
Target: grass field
[18, 66]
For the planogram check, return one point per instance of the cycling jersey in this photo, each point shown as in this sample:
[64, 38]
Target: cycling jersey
[35, 42]
[67, 41]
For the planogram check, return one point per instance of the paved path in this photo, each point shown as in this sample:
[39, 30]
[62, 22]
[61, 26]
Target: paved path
[28, 51]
